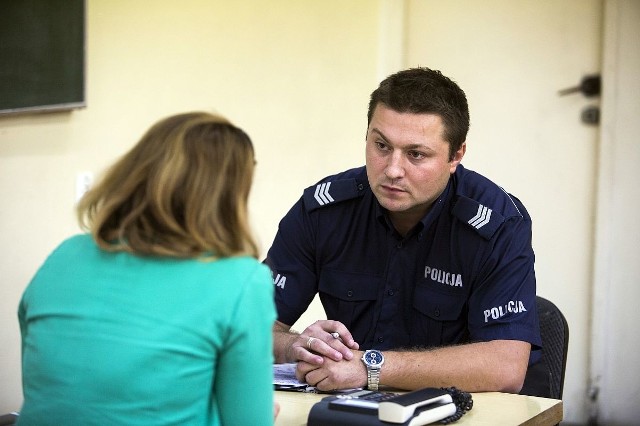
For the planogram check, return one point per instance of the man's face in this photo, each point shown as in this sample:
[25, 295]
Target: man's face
[408, 162]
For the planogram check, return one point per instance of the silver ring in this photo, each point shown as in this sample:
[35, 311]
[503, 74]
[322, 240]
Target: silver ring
[335, 335]
[311, 339]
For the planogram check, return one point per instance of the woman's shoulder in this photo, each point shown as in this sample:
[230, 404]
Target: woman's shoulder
[75, 245]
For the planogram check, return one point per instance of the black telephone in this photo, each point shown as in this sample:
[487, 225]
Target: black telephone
[414, 408]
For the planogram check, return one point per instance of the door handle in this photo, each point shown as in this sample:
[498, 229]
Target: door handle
[589, 86]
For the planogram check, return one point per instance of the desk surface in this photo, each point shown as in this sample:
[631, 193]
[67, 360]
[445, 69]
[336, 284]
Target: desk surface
[490, 409]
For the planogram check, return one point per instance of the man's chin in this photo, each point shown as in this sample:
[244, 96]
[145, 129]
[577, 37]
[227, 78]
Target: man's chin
[392, 205]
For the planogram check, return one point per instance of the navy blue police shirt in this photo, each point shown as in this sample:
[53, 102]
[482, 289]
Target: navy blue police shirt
[465, 273]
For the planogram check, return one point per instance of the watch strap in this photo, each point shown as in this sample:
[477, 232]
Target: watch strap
[373, 378]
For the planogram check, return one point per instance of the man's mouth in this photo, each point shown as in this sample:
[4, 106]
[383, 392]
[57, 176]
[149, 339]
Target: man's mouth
[392, 189]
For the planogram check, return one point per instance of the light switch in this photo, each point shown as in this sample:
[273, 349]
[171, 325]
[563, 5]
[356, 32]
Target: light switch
[84, 180]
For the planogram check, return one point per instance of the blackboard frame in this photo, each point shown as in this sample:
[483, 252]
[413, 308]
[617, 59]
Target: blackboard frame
[42, 55]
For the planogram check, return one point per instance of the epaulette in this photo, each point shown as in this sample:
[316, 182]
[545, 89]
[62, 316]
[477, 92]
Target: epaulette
[331, 192]
[483, 219]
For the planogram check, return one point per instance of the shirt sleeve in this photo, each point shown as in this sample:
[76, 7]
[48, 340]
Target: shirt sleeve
[292, 262]
[503, 303]
[244, 377]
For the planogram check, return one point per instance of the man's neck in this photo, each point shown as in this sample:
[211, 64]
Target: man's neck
[404, 222]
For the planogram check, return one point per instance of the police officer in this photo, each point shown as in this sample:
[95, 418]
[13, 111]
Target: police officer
[425, 269]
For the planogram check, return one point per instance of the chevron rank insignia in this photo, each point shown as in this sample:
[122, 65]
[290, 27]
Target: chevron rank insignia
[482, 218]
[325, 193]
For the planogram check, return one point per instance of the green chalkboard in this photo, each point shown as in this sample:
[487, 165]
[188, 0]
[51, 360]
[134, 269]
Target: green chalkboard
[42, 55]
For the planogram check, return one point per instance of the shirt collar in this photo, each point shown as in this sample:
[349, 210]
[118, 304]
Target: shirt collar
[433, 213]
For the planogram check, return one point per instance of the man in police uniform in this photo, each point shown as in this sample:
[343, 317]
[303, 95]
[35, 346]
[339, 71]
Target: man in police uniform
[423, 263]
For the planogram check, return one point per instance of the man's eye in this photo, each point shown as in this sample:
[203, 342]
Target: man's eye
[381, 145]
[415, 155]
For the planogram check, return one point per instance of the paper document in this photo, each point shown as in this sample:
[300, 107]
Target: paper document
[284, 378]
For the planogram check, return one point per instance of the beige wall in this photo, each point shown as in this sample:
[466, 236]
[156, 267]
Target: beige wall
[295, 74]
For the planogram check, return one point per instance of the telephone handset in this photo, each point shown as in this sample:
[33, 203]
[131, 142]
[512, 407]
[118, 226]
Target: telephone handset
[422, 406]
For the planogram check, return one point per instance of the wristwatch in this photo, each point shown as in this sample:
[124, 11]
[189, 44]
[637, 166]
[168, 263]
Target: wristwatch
[373, 360]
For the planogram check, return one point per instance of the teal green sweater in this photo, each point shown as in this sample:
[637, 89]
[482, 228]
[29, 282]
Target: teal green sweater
[117, 339]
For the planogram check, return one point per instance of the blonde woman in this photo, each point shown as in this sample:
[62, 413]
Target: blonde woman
[161, 313]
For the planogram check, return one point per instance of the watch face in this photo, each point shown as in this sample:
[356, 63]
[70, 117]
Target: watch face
[373, 357]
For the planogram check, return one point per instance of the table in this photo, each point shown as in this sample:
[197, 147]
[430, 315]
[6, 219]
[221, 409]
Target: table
[489, 409]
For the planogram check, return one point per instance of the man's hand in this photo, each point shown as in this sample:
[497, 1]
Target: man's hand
[493, 366]
[333, 375]
[324, 338]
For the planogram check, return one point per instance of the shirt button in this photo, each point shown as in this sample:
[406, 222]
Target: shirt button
[436, 312]
[380, 340]
[349, 293]
[360, 187]
[390, 292]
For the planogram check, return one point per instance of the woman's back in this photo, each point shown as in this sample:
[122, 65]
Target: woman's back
[115, 338]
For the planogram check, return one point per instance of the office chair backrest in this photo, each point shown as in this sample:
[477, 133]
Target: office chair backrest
[555, 340]
[546, 378]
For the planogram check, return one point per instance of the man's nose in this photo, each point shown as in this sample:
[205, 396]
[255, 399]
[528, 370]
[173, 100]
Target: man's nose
[395, 166]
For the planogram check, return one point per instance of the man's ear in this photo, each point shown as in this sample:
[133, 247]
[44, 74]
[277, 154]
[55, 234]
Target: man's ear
[457, 157]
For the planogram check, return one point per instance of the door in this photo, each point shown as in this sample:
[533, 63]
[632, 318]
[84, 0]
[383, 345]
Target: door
[512, 58]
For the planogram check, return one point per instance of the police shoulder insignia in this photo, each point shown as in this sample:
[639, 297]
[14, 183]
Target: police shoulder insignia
[331, 192]
[482, 218]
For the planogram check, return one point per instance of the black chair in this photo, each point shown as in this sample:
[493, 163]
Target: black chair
[546, 378]
[8, 419]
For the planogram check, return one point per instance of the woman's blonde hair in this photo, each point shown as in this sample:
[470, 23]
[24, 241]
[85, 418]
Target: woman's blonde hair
[182, 191]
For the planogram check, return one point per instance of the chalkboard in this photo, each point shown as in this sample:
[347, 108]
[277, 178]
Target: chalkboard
[42, 55]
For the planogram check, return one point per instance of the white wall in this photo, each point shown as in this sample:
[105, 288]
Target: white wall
[616, 342]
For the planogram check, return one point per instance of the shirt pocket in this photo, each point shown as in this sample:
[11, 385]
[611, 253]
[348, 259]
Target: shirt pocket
[349, 298]
[438, 317]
